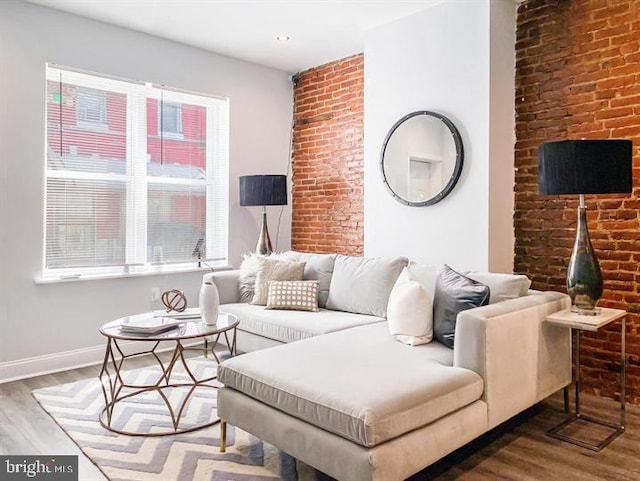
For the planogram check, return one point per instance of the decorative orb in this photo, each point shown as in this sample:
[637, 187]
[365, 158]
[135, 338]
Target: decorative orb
[174, 300]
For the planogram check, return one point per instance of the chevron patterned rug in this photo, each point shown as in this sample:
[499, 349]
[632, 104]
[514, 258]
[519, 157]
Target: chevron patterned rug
[180, 457]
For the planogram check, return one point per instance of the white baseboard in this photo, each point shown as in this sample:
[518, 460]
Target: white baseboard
[64, 361]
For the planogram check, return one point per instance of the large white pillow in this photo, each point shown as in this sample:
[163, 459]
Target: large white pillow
[362, 284]
[503, 286]
[410, 311]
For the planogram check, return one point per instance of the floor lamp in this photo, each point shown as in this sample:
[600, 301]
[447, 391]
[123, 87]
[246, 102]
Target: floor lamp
[263, 190]
[584, 167]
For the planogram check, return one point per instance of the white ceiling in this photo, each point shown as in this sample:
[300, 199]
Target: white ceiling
[320, 30]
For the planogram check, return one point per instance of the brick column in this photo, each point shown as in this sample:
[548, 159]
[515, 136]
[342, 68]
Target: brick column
[328, 161]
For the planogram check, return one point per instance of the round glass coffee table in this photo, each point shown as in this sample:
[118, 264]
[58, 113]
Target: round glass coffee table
[116, 388]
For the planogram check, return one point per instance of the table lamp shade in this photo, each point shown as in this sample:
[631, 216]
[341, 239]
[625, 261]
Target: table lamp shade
[584, 167]
[261, 190]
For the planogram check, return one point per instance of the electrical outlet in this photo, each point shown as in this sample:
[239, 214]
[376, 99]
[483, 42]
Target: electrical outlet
[155, 294]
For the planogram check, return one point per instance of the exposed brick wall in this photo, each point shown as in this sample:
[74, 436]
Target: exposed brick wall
[328, 151]
[578, 76]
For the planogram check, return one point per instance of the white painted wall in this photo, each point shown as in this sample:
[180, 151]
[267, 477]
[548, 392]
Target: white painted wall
[38, 320]
[442, 59]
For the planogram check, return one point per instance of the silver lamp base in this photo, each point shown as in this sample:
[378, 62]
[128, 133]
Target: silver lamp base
[264, 241]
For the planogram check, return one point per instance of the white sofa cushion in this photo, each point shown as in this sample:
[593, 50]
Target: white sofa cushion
[503, 286]
[344, 383]
[410, 311]
[362, 285]
[289, 326]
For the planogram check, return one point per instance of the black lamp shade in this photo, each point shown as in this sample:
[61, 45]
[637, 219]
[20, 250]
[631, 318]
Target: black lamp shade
[263, 190]
[584, 167]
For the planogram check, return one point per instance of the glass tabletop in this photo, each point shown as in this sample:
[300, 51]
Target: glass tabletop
[180, 328]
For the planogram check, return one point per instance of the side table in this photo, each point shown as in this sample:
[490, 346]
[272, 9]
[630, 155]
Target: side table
[578, 323]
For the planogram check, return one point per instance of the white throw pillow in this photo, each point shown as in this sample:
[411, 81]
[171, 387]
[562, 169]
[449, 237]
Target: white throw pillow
[410, 311]
[502, 286]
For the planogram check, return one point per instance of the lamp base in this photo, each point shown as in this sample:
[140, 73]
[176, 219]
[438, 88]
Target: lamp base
[586, 312]
[584, 279]
[264, 242]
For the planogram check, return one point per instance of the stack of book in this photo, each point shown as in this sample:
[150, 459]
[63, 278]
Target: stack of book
[146, 324]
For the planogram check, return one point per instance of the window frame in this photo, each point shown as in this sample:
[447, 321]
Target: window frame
[137, 180]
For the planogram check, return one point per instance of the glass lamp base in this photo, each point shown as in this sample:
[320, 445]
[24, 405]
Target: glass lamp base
[586, 312]
[584, 278]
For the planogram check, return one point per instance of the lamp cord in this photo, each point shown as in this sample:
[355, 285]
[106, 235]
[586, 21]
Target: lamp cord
[289, 159]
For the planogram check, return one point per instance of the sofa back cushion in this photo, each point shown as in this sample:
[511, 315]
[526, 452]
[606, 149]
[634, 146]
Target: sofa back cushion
[503, 286]
[318, 267]
[426, 274]
[362, 285]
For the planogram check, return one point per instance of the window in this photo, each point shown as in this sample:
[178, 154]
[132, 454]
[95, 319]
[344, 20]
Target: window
[170, 119]
[125, 198]
[91, 108]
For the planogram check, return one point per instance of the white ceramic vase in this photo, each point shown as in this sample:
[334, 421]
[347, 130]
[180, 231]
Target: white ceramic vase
[209, 303]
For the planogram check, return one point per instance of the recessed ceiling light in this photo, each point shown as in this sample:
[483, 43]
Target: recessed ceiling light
[283, 38]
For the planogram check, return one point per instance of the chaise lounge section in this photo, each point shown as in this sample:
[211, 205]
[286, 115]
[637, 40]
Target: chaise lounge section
[358, 405]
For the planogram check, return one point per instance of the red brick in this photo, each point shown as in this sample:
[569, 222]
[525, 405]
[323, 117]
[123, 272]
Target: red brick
[328, 152]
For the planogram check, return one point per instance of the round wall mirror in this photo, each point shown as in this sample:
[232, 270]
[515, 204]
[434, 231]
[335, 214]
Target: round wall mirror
[422, 158]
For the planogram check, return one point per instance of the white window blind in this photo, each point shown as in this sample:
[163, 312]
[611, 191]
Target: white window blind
[123, 195]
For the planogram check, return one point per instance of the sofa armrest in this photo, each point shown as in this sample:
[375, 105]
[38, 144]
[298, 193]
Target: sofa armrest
[521, 358]
[227, 284]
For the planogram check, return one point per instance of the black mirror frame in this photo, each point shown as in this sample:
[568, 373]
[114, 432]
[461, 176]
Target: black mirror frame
[457, 170]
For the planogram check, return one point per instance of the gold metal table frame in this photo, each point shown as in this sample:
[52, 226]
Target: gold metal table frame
[115, 389]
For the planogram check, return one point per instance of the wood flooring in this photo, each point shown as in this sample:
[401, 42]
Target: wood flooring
[518, 450]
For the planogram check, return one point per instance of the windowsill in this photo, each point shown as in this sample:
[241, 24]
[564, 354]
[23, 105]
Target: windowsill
[171, 135]
[159, 272]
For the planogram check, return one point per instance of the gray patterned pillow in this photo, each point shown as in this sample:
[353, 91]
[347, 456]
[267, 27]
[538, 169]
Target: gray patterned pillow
[293, 295]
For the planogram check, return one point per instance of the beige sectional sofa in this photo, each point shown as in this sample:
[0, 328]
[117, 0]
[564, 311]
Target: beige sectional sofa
[338, 392]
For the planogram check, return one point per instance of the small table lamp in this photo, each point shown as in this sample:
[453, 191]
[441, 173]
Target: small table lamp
[263, 190]
[584, 167]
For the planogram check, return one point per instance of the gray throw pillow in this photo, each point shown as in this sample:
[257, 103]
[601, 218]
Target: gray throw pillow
[317, 267]
[362, 285]
[454, 293]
